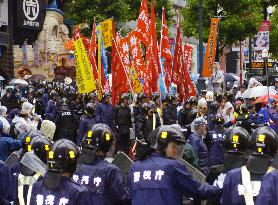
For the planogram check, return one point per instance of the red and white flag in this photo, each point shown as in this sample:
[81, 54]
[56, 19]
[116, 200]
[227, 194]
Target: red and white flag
[143, 24]
[165, 51]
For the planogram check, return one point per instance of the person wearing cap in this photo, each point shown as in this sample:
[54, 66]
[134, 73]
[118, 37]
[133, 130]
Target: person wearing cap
[184, 119]
[215, 140]
[196, 140]
[160, 179]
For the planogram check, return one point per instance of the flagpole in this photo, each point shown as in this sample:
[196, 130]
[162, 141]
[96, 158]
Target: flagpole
[122, 63]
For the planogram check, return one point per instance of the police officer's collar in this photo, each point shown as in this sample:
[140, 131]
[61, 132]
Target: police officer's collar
[258, 164]
[157, 154]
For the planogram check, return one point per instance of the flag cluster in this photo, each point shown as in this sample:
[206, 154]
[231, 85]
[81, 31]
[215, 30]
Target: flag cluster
[138, 63]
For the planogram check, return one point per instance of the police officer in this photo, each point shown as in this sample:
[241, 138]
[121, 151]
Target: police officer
[184, 118]
[213, 108]
[161, 180]
[104, 181]
[242, 185]
[65, 124]
[56, 187]
[86, 123]
[170, 110]
[23, 180]
[215, 140]
[51, 108]
[122, 118]
[146, 122]
[104, 111]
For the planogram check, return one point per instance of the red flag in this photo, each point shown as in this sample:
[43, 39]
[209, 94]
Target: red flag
[148, 80]
[190, 88]
[123, 47]
[165, 50]
[136, 55]
[155, 63]
[178, 65]
[143, 24]
[92, 51]
[119, 78]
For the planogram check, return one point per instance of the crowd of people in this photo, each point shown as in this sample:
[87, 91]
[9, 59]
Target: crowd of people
[230, 140]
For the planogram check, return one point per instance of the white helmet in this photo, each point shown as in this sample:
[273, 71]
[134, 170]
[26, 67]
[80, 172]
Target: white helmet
[209, 96]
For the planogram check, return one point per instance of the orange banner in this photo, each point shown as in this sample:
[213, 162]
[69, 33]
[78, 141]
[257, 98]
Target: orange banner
[211, 48]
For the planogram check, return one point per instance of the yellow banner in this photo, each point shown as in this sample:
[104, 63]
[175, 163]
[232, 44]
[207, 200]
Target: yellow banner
[211, 48]
[106, 27]
[84, 75]
[136, 85]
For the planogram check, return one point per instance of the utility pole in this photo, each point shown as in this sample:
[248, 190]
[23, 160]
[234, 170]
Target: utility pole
[200, 12]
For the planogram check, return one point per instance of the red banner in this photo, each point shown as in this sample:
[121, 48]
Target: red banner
[136, 55]
[178, 65]
[143, 24]
[165, 50]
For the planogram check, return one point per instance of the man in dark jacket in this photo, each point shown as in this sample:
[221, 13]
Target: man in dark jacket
[51, 107]
[122, 118]
[198, 145]
[65, 126]
[184, 116]
[170, 110]
[104, 111]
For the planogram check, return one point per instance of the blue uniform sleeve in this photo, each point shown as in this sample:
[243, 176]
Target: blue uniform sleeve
[14, 145]
[83, 127]
[192, 188]
[266, 194]
[5, 179]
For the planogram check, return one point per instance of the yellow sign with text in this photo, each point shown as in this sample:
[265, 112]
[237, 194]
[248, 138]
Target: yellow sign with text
[106, 28]
[84, 74]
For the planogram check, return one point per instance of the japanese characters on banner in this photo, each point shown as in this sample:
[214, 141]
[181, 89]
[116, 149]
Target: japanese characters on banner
[106, 27]
[261, 40]
[84, 76]
[188, 52]
[136, 55]
[143, 24]
[211, 48]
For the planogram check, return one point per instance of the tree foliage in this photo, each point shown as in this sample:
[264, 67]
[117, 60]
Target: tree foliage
[84, 11]
[274, 34]
[240, 18]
